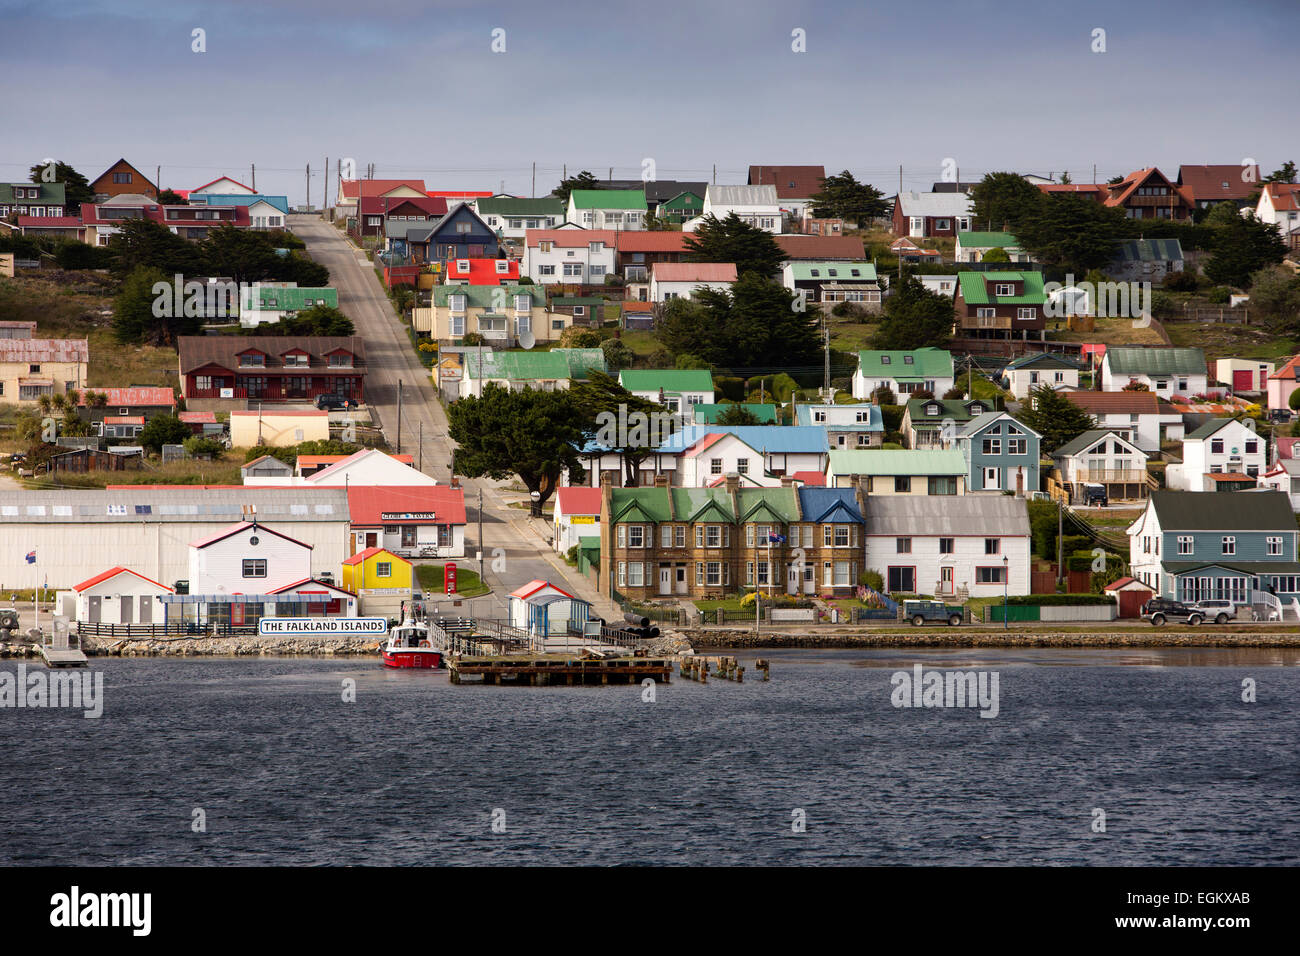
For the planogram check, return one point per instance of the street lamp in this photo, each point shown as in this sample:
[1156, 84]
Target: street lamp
[1006, 577]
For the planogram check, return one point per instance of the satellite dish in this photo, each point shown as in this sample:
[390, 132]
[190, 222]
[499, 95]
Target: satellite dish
[526, 340]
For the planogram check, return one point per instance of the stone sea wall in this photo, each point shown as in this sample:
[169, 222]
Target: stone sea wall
[955, 637]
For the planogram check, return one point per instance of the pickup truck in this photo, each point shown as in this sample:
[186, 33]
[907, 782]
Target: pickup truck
[926, 612]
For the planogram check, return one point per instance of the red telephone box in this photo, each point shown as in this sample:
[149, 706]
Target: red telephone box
[449, 578]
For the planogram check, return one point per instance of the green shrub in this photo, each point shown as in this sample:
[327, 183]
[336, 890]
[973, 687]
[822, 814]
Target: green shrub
[1043, 600]
[1219, 295]
[872, 579]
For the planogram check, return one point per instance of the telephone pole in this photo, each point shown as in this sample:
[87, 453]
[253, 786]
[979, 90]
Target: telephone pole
[399, 416]
[480, 533]
[420, 466]
[253, 169]
[534, 190]
[309, 185]
[826, 335]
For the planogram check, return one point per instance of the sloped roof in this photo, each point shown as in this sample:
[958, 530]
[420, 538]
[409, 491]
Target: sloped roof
[669, 379]
[1044, 360]
[1116, 403]
[1121, 191]
[908, 461]
[543, 365]
[577, 500]
[608, 198]
[135, 395]
[114, 572]
[645, 240]
[1137, 360]
[689, 503]
[366, 504]
[1217, 182]
[942, 205]
[44, 350]
[905, 363]
[780, 502]
[812, 270]
[1087, 439]
[987, 240]
[1149, 250]
[650, 504]
[982, 421]
[977, 288]
[522, 208]
[1224, 511]
[576, 238]
[370, 553]
[693, 272]
[742, 196]
[822, 247]
[1285, 197]
[1210, 427]
[706, 413]
[791, 182]
[1000, 516]
[958, 409]
[819, 502]
[771, 439]
[240, 526]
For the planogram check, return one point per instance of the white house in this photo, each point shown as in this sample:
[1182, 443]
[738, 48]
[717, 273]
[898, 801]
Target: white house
[222, 186]
[1164, 370]
[247, 558]
[974, 246]
[570, 256]
[976, 545]
[1244, 376]
[755, 205]
[370, 466]
[1279, 205]
[1041, 368]
[577, 515]
[1285, 476]
[903, 372]
[678, 280]
[1139, 417]
[678, 389]
[1221, 454]
[714, 456]
[1102, 457]
[849, 426]
[942, 284]
[116, 596]
[607, 208]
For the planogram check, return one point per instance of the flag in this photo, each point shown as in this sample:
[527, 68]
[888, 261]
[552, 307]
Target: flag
[774, 538]
[31, 557]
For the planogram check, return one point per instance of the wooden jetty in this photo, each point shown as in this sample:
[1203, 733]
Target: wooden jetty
[62, 650]
[540, 670]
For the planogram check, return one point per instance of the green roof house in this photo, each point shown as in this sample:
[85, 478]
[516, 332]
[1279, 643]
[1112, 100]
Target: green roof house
[972, 246]
[685, 205]
[263, 303]
[512, 218]
[903, 372]
[677, 388]
[1168, 372]
[905, 472]
[834, 282]
[534, 368]
[607, 208]
[937, 422]
[32, 199]
[1001, 305]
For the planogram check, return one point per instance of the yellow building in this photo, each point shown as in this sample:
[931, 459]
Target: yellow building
[278, 427]
[30, 368]
[377, 570]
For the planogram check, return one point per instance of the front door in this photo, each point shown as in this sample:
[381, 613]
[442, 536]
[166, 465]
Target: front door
[681, 579]
[127, 606]
[945, 579]
[792, 580]
[372, 539]
[992, 478]
[146, 608]
[95, 602]
[665, 580]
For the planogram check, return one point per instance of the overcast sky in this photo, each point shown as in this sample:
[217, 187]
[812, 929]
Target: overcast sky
[414, 87]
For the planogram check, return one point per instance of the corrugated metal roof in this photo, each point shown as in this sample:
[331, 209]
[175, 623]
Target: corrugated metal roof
[44, 350]
[994, 515]
[172, 503]
[1149, 250]
[895, 363]
[1224, 511]
[908, 461]
[1132, 360]
[742, 196]
[943, 205]
[773, 439]
[807, 270]
[608, 198]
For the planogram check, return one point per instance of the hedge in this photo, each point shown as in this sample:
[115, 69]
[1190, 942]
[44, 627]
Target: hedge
[1042, 600]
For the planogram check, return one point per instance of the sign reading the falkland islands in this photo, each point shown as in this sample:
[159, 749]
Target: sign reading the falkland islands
[293, 626]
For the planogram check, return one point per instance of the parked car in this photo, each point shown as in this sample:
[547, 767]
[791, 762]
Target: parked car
[1161, 610]
[1279, 416]
[1095, 494]
[927, 612]
[1220, 612]
[334, 402]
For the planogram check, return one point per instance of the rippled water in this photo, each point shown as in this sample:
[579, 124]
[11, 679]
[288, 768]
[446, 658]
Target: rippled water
[410, 773]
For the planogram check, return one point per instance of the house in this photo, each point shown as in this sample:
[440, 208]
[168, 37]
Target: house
[505, 316]
[1001, 305]
[460, 234]
[1166, 371]
[1036, 369]
[350, 192]
[59, 227]
[221, 186]
[581, 309]
[755, 205]
[11, 329]
[30, 368]
[1095, 191]
[201, 423]
[847, 426]
[714, 456]
[1284, 476]
[377, 570]
[683, 207]
[1223, 546]
[278, 427]
[1139, 417]
[543, 610]
[512, 218]
[666, 199]
[248, 557]
[822, 227]
[903, 372]
[307, 466]
[941, 284]
[1282, 384]
[974, 246]
[929, 472]
[121, 426]
[370, 466]
[974, 546]
[543, 370]
[1244, 376]
[1103, 457]
[80, 461]
[415, 520]
[1146, 260]
[1001, 454]
[636, 253]
[264, 303]
[702, 542]
[376, 214]
[910, 253]
[577, 515]
[615, 209]
[102, 221]
[1224, 454]
[121, 178]
[678, 389]
[116, 596]
[795, 186]
[925, 215]
[822, 248]
[1148, 194]
[708, 414]
[570, 256]
[1279, 205]
[832, 282]
[1237, 183]
[272, 368]
[32, 199]
[481, 272]
[264, 212]
[680, 280]
[936, 422]
[143, 401]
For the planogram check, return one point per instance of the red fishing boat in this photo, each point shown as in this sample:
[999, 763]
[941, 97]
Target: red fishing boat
[409, 645]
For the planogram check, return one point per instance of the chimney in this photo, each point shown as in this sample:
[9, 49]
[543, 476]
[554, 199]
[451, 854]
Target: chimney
[733, 483]
[661, 481]
[787, 481]
[606, 480]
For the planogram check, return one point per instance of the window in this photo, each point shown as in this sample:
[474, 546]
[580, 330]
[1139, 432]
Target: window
[1274, 546]
[1216, 446]
[636, 574]
[572, 269]
[679, 536]
[622, 536]
[457, 326]
[943, 485]
[903, 545]
[622, 574]
[254, 567]
[122, 178]
[900, 580]
[340, 360]
[993, 446]
[819, 416]
[884, 360]
[635, 536]
[992, 545]
[1185, 545]
[712, 536]
[1229, 544]
[947, 546]
[252, 361]
[990, 575]
[902, 484]
[546, 270]
[1030, 314]
[742, 466]
[383, 569]
[1004, 288]
[715, 466]
[841, 536]
[456, 303]
[1017, 446]
[1252, 447]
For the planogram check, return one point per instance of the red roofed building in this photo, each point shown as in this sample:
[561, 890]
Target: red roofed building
[481, 272]
[795, 185]
[822, 248]
[671, 280]
[1226, 182]
[66, 227]
[1097, 191]
[1282, 383]
[1149, 194]
[460, 195]
[417, 521]
[637, 252]
[118, 596]
[577, 515]
[188, 222]
[378, 212]
[1279, 205]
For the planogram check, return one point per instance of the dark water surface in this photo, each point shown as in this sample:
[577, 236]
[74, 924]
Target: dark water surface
[288, 773]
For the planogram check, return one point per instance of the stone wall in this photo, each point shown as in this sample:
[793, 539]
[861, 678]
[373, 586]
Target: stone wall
[830, 637]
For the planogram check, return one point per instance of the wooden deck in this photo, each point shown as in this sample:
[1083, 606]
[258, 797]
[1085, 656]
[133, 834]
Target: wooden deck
[540, 670]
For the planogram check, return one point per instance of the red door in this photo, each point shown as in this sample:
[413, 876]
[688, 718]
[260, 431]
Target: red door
[1243, 380]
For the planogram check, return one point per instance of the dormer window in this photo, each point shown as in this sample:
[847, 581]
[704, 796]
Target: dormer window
[341, 360]
[932, 409]
[815, 273]
[1004, 288]
[523, 303]
[832, 273]
[456, 303]
[503, 266]
[595, 246]
[544, 245]
[462, 265]
[252, 360]
[296, 360]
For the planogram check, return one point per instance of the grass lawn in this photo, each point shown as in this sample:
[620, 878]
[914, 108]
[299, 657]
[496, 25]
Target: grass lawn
[1223, 340]
[984, 389]
[727, 604]
[115, 364]
[188, 472]
[468, 584]
[640, 341]
[851, 336]
[1112, 331]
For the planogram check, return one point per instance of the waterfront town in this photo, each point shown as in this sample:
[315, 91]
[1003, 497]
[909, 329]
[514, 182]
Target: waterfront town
[793, 404]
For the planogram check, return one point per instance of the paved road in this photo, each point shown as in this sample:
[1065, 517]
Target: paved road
[390, 359]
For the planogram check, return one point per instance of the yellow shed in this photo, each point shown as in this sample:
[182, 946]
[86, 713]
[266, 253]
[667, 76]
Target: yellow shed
[377, 570]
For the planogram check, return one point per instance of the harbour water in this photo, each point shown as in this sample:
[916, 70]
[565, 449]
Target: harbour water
[280, 769]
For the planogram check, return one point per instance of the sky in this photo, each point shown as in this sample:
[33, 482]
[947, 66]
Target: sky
[417, 89]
